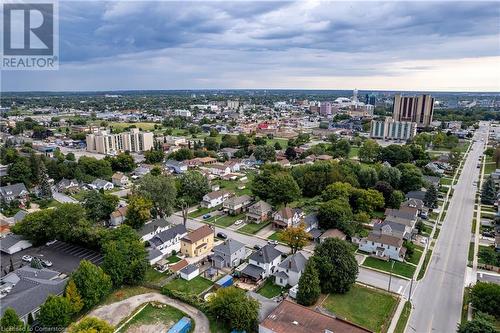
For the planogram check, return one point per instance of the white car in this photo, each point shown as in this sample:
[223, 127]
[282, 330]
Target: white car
[238, 222]
[47, 263]
[27, 258]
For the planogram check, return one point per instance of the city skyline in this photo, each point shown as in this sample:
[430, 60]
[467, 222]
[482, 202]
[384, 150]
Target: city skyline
[418, 46]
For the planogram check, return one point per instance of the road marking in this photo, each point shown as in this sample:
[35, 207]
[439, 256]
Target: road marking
[399, 289]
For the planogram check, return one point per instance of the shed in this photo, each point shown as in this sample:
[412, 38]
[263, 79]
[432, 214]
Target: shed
[182, 326]
[225, 281]
[189, 272]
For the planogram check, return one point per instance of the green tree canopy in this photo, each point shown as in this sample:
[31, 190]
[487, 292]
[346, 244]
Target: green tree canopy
[161, 191]
[91, 325]
[309, 285]
[55, 312]
[192, 186]
[10, 321]
[337, 213]
[92, 283]
[411, 177]
[138, 211]
[485, 297]
[99, 205]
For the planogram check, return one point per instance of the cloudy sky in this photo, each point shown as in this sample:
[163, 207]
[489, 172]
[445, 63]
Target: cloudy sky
[443, 46]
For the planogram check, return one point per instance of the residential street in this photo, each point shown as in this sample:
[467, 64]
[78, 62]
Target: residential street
[437, 300]
[63, 198]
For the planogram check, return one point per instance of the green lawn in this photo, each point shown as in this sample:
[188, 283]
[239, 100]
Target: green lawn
[400, 268]
[354, 152]
[489, 168]
[228, 220]
[403, 318]
[151, 315]
[195, 286]
[79, 195]
[202, 211]
[282, 142]
[143, 125]
[471, 252]
[153, 276]
[415, 258]
[379, 214]
[232, 185]
[253, 228]
[269, 289]
[367, 307]
[427, 259]
[173, 259]
[445, 181]
[275, 236]
[436, 233]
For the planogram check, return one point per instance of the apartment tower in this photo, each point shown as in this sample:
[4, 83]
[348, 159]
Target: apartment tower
[417, 109]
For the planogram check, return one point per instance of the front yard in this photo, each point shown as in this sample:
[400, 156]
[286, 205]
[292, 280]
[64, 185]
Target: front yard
[269, 289]
[368, 307]
[400, 268]
[202, 211]
[275, 236]
[196, 286]
[253, 228]
[227, 220]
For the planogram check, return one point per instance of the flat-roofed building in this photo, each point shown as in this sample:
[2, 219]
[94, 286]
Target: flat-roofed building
[106, 143]
[418, 109]
[390, 129]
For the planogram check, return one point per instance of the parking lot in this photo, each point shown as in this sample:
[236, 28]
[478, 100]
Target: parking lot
[65, 257]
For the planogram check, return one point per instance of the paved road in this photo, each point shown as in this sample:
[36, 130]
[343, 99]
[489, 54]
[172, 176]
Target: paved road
[63, 198]
[437, 300]
[114, 313]
[366, 276]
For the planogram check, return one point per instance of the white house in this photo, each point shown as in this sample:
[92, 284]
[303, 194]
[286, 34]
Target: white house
[234, 166]
[287, 217]
[290, 270]
[118, 216]
[262, 263]
[219, 169]
[215, 198]
[383, 246]
[119, 179]
[152, 228]
[12, 243]
[189, 272]
[169, 240]
[99, 184]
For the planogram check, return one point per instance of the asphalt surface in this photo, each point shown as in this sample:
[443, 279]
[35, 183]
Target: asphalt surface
[437, 300]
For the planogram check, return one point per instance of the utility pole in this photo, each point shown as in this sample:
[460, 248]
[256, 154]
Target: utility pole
[390, 277]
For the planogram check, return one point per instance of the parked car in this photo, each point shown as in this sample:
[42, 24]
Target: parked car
[27, 258]
[47, 263]
[207, 216]
[222, 235]
[272, 242]
[488, 234]
[257, 247]
[238, 222]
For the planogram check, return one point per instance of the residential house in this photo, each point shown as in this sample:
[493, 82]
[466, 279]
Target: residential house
[189, 272]
[262, 263]
[27, 288]
[383, 246]
[219, 170]
[100, 184]
[290, 270]
[67, 186]
[119, 179]
[432, 180]
[169, 240]
[416, 195]
[234, 166]
[332, 233]
[290, 317]
[198, 242]
[176, 166]
[311, 222]
[407, 216]
[228, 151]
[20, 215]
[154, 255]
[215, 198]
[13, 243]
[141, 171]
[259, 212]
[14, 192]
[230, 253]
[152, 228]
[118, 216]
[434, 168]
[391, 228]
[237, 204]
[287, 217]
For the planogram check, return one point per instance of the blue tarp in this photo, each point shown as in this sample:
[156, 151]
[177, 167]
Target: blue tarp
[225, 281]
[182, 326]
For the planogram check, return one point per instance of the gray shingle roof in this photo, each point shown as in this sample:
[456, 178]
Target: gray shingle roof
[152, 226]
[253, 271]
[9, 240]
[265, 255]
[168, 234]
[295, 263]
[229, 246]
[13, 190]
[189, 269]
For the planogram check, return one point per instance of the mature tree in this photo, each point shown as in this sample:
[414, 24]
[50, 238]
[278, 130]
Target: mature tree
[455, 156]
[395, 154]
[411, 177]
[124, 256]
[313, 179]
[395, 200]
[295, 237]
[138, 211]
[341, 148]
[20, 172]
[337, 213]
[277, 146]
[36, 227]
[235, 309]
[55, 312]
[91, 325]
[309, 285]
[431, 197]
[390, 175]
[99, 205]
[182, 154]
[265, 153]
[162, 192]
[90, 168]
[366, 200]
[10, 321]
[369, 151]
[336, 265]
[283, 189]
[211, 143]
[362, 217]
[485, 297]
[481, 323]
[123, 162]
[385, 188]
[488, 191]
[290, 154]
[92, 283]
[192, 186]
[154, 156]
[367, 177]
[337, 190]
[45, 191]
[73, 296]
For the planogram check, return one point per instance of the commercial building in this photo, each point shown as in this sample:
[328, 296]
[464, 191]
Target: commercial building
[418, 109]
[390, 129]
[106, 143]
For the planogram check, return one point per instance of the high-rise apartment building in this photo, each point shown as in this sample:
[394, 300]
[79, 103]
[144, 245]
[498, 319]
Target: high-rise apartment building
[233, 104]
[325, 108]
[390, 129]
[370, 99]
[418, 109]
[105, 143]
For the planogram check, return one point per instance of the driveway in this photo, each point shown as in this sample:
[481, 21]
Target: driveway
[63, 198]
[116, 312]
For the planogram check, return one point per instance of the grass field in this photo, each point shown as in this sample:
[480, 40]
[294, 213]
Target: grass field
[470, 255]
[202, 211]
[173, 259]
[370, 308]
[144, 126]
[427, 258]
[445, 181]
[489, 168]
[253, 228]
[275, 236]
[415, 258]
[153, 276]
[400, 268]
[403, 318]
[269, 289]
[228, 220]
[151, 315]
[195, 286]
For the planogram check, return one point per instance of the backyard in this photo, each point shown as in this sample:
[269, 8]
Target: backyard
[400, 268]
[158, 318]
[269, 289]
[368, 307]
[196, 286]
